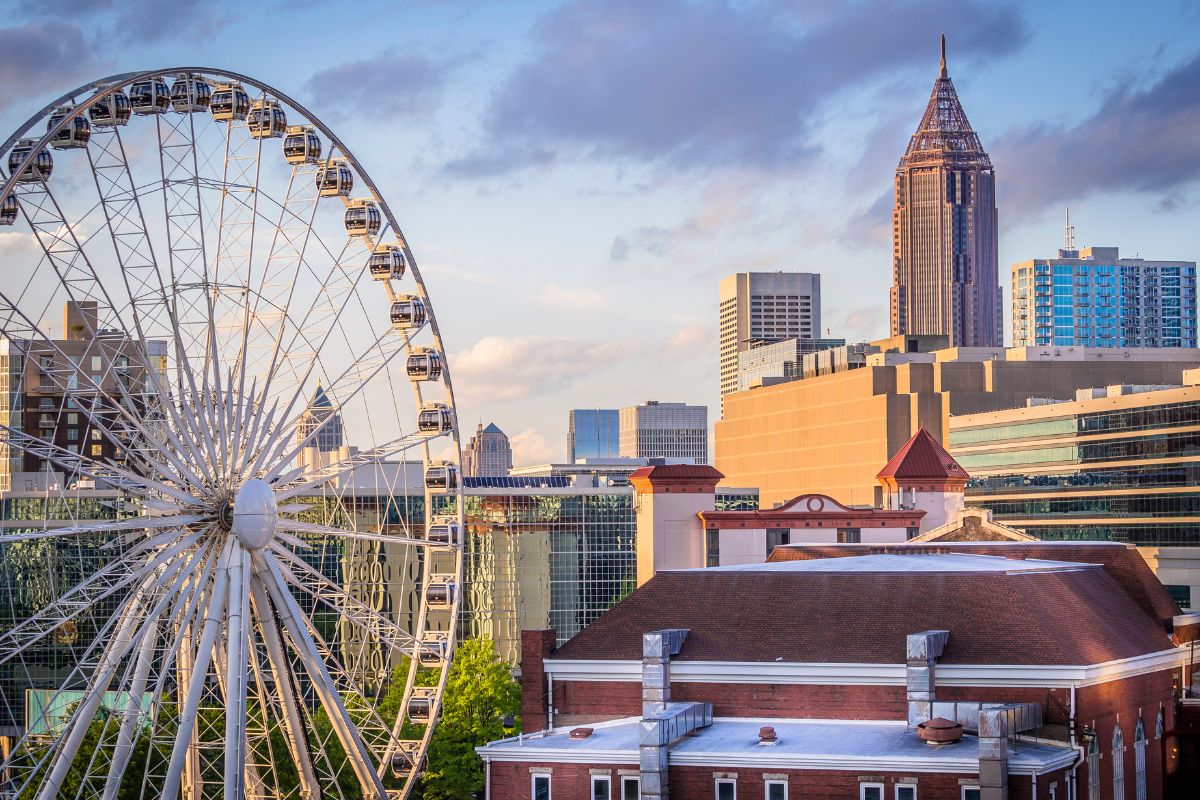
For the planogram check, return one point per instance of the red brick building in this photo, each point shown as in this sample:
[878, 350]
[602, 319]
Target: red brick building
[1053, 675]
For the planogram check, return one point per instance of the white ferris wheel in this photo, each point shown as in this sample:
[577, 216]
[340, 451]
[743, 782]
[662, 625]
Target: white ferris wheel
[207, 591]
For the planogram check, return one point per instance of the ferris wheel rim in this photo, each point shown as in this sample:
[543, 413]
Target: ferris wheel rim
[107, 86]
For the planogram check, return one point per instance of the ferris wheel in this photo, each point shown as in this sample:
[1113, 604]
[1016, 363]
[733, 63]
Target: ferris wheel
[231, 553]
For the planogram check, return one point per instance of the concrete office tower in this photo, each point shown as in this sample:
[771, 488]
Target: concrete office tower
[765, 307]
[593, 433]
[488, 454]
[1094, 298]
[665, 430]
[945, 278]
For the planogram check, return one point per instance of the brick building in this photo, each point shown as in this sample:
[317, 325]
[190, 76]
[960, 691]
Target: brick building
[1050, 671]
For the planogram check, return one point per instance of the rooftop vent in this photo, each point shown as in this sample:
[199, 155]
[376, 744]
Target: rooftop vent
[766, 735]
[939, 731]
[583, 733]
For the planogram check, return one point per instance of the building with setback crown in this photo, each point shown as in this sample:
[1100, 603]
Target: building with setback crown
[944, 243]
[488, 454]
[991, 671]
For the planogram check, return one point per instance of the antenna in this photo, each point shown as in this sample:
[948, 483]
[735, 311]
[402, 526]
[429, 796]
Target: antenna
[942, 71]
[1068, 232]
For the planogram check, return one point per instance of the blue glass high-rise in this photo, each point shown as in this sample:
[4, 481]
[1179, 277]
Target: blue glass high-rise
[593, 433]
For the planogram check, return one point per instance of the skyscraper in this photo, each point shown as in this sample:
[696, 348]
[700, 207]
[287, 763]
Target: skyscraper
[320, 427]
[1094, 298]
[945, 277]
[673, 431]
[488, 454]
[762, 308]
[593, 433]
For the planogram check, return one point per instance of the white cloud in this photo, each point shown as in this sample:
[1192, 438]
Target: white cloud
[501, 368]
[693, 340]
[530, 447]
[573, 299]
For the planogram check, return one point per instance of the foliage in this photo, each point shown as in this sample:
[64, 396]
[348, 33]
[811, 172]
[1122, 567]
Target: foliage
[480, 692]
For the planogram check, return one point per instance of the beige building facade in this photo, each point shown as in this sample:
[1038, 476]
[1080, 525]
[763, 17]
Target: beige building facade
[828, 434]
[765, 307]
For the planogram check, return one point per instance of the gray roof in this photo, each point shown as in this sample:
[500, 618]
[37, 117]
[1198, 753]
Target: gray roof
[888, 562]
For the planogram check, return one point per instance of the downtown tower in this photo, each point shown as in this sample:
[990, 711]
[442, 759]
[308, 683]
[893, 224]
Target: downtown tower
[945, 276]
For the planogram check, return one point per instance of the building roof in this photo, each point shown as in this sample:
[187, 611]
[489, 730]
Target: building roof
[883, 563]
[809, 509]
[491, 428]
[676, 471]
[923, 458]
[1122, 562]
[863, 745]
[944, 135]
[973, 525]
[860, 610]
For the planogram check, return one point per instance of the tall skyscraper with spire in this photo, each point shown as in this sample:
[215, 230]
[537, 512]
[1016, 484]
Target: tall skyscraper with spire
[945, 272]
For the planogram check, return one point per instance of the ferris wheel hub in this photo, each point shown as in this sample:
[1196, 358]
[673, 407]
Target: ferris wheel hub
[255, 513]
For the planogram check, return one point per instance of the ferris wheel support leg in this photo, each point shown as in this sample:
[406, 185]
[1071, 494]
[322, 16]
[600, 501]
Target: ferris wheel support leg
[124, 746]
[235, 675]
[199, 670]
[306, 650]
[293, 726]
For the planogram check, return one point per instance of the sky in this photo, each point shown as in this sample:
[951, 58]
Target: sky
[576, 177]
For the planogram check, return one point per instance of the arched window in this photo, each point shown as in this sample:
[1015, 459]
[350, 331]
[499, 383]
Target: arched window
[1093, 766]
[1118, 767]
[1158, 725]
[1139, 758]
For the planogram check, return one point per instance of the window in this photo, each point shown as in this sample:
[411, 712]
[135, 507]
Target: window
[1139, 759]
[541, 787]
[970, 793]
[906, 791]
[96, 364]
[726, 789]
[95, 434]
[1093, 766]
[870, 791]
[1158, 725]
[776, 790]
[1118, 767]
[712, 548]
[631, 788]
[97, 450]
[72, 435]
[776, 537]
[601, 787]
[849, 536]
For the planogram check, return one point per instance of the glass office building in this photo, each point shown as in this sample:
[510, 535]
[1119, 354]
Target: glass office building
[1118, 464]
[1094, 298]
[593, 433]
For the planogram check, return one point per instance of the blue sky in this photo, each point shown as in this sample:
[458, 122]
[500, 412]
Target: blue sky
[576, 177]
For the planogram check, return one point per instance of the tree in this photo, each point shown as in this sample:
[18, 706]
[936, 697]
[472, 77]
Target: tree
[480, 693]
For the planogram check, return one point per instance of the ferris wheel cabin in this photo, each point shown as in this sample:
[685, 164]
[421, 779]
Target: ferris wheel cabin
[387, 262]
[434, 650]
[420, 705]
[229, 102]
[334, 179]
[266, 120]
[441, 475]
[301, 145]
[443, 530]
[150, 96]
[435, 418]
[110, 110]
[408, 311]
[190, 95]
[74, 134]
[424, 364]
[39, 167]
[9, 209]
[363, 218]
[439, 593]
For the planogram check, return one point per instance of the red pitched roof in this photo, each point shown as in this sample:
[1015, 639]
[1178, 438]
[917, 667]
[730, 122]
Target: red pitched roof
[1121, 561]
[923, 458]
[700, 471]
[1075, 616]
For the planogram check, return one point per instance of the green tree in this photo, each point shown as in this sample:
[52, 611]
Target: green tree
[480, 693]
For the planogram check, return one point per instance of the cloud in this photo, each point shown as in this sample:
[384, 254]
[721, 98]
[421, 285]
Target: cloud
[693, 340]
[502, 368]
[530, 447]
[566, 298]
[870, 227]
[717, 83]
[42, 56]
[393, 83]
[1142, 140]
[139, 20]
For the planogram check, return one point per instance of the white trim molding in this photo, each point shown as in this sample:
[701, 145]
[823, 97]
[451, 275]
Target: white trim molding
[858, 674]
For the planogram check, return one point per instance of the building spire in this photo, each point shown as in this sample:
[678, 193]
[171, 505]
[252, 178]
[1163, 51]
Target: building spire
[943, 73]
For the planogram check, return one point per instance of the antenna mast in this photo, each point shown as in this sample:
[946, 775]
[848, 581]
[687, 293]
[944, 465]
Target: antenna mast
[1068, 232]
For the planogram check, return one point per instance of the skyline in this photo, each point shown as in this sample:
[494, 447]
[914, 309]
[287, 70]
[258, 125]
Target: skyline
[549, 276]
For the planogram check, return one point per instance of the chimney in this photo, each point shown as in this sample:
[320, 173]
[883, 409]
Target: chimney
[924, 649]
[659, 723]
[536, 645]
[993, 753]
[80, 320]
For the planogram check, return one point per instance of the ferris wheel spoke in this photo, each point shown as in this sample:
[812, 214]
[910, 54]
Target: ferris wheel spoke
[117, 526]
[336, 597]
[342, 468]
[312, 529]
[268, 571]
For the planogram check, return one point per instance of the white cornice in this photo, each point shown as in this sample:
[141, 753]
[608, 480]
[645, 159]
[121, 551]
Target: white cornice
[871, 674]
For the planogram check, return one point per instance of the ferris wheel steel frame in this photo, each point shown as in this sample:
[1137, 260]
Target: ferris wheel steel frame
[225, 608]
